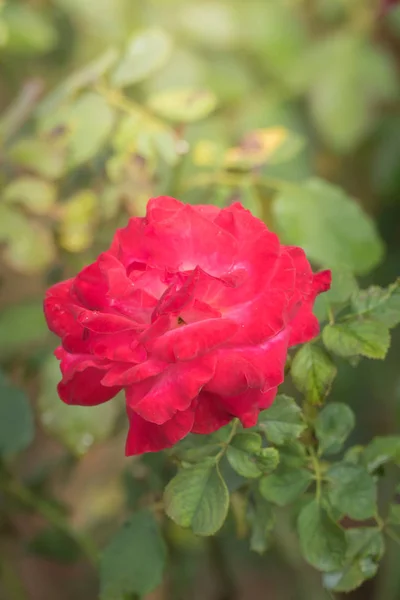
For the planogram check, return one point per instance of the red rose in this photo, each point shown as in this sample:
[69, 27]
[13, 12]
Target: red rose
[191, 311]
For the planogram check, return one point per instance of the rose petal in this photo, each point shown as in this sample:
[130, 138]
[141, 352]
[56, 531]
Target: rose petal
[191, 341]
[149, 437]
[158, 398]
[210, 415]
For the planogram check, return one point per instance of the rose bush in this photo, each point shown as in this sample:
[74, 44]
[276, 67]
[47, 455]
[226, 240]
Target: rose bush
[191, 311]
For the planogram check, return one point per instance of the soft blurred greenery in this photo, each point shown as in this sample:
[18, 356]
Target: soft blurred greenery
[291, 107]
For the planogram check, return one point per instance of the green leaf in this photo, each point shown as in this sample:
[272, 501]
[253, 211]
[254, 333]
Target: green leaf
[134, 560]
[365, 547]
[267, 459]
[243, 463]
[330, 226]
[262, 519]
[313, 373]
[29, 31]
[86, 76]
[380, 304]
[344, 285]
[77, 219]
[333, 426]
[344, 97]
[78, 427]
[285, 485]
[381, 450]
[250, 442]
[34, 194]
[30, 248]
[282, 421]
[146, 137]
[147, 52]
[394, 515]
[53, 544]
[88, 122]
[357, 337]
[352, 491]
[22, 326]
[270, 146]
[322, 541]
[248, 459]
[16, 419]
[183, 105]
[197, 497]
[39, 156]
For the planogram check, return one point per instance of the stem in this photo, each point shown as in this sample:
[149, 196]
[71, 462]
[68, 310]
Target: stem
[118, 100]
[318, 474]
[23, 495]
[235, 425]
[379, 521]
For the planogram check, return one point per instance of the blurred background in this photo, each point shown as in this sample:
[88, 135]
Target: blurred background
[106, 103]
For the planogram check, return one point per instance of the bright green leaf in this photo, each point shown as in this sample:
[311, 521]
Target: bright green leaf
[352, 491]
[39, 156]
[35, 195]
[183, 105]
[248, 459]
[16, 419]
[267, 459]
[394, 515]
[344, 284]
[282, 421]
[147, 52]
[77, 219]
[313, 373]
[330, 226]
[365, 547]
[247, 442]
[380, 304]
[29, 31]
[242, 462]
[322, 541]
[31, 249]
[78, 427]
[381, 450]
[333, 426]
[197, 497]
[134, 560]
[285, 485]
[357, 337]
[88, 123]
[87, 75]
[343, 98]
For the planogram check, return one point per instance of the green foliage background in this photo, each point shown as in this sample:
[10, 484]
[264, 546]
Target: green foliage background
[291, 107]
